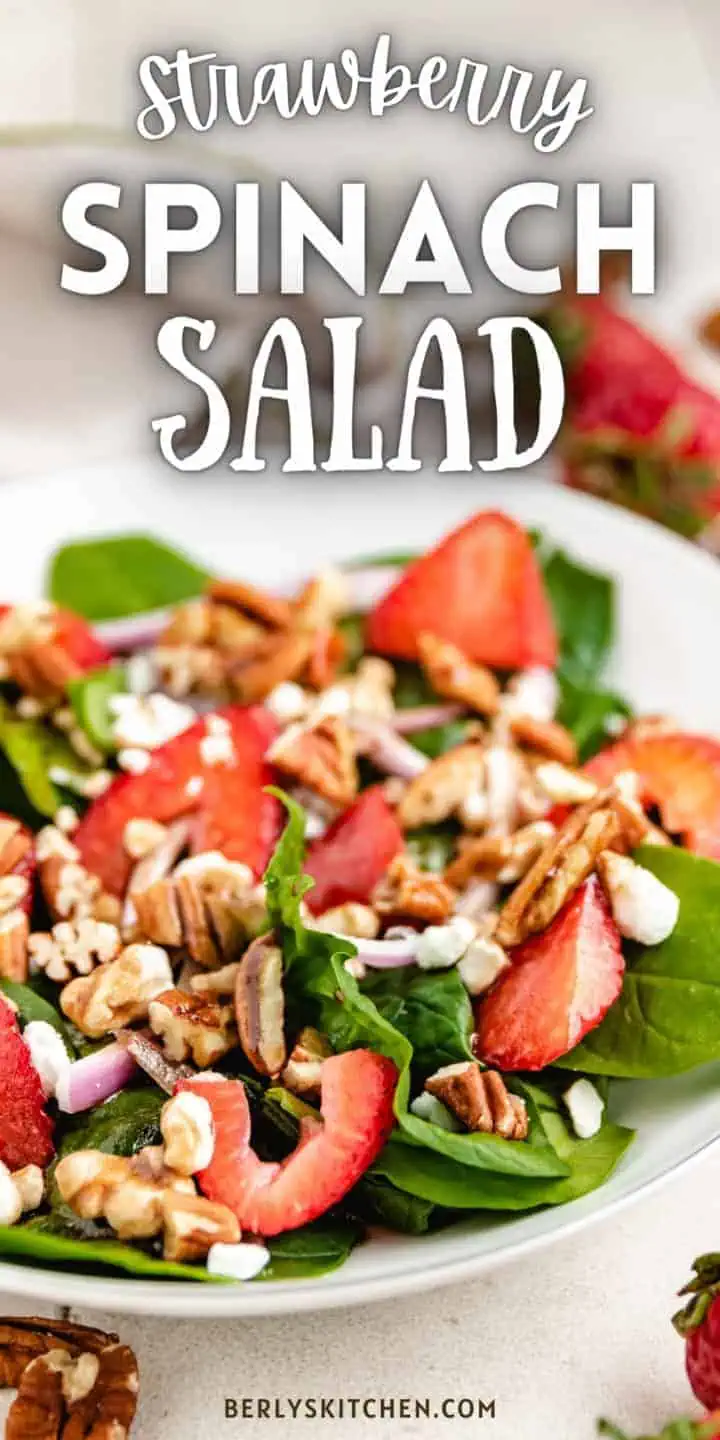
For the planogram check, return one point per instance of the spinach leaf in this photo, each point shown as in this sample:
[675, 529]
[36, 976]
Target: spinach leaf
[122, 1126]
[45, 1241]
[90, 699]
[322, 993]
[583, 605]
[591, 1161]
[439, 738]
[110, 577]
[412, 686]
[431, 1008]
[377, 1202]
[667, 1018]
[313, 1250]
[32, 1006]
[33, 749]
[592, 716]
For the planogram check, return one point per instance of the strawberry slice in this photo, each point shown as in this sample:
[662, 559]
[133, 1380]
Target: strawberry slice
[331, 1156]
[17, 854]
[25, 1127]
[560, 986]
[230, 811]
[680, 774]
[347, 862]
[481, 589]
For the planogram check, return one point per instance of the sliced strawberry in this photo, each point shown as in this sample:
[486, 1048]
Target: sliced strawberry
[230, 810]
[357, 1117]
[347, 862]
[481, 589]
[25, 1127]
[559, 987]
[680, 774]
[17, 854]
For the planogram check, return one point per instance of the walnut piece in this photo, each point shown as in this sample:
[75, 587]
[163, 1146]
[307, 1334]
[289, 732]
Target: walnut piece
[480, 1100]
[118, 993]
[303, 1073]
[443, 787]
[186, 1125]
[455, 677]
[321, 757]
[73, 947]
[192, 1225]
[24, 1338]
[408, 894]
[192, 1026]
[78, 1383]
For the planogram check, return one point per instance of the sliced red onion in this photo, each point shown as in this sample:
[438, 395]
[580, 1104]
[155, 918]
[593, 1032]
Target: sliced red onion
[425, 717]
[96, 1077]
[149, 1057]
[387, 750]
[133, 632]
[386, 954]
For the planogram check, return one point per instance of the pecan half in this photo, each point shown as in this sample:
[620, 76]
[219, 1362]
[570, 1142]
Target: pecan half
[480, 1099]
[260, 1006]
[303, 1073]
[321, 757]
[443, 787]
[275, 658]
[504, 858]
[407, 893]
[208, 904]
[455, 677]
[602, 823]
[14, 933]
[269, 610]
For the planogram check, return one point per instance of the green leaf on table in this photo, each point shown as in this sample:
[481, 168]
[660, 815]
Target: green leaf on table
[33, 750]
[110, 577]
[33, 1006]
[313, 1250]
[667, 1018]
[45, 1241]
[90, 698]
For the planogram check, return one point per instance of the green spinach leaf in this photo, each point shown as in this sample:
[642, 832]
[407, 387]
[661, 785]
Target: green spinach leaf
[90, 699]
[431, 1008]
[33, 749]
[46, 1242]
[110, 577]
[433, 846]
[122, 1126]
[667, 1018]
[314, 1250]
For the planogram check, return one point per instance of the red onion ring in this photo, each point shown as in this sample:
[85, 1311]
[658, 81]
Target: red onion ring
[95, 1078]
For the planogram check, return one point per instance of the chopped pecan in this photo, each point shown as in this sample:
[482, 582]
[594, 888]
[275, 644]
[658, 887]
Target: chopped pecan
[480, 1099]
[352, 918]
[269, 610]
[545, 737]
[443, 787]
[208, 904]
[455, 677]
[504, 858]
[14, 934]
[118, 993]
[303, 1073]
[73, 947]
[71, 892]
[192, 1026]
[407, 893]
[260, 1006]
[212, 983]
[323, 600]
[565, 861]
[274, 659]
[321, 757]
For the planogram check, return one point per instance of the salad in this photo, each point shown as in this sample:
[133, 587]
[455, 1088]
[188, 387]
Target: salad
[335, 910]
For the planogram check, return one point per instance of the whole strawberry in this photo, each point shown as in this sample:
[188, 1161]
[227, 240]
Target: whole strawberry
[707, 1429]
[699, 1325]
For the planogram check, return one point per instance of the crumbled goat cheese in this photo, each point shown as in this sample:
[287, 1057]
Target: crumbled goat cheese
[145, 722]
[483, 961]
[442, 945]
[10, 1202]
[428, 1107]
[644, 908]
[287, 702]
[238, 1262]
[532, 692]
[48, 1054]
[585, 1108]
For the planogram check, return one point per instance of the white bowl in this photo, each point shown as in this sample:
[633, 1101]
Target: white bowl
[271, 527]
